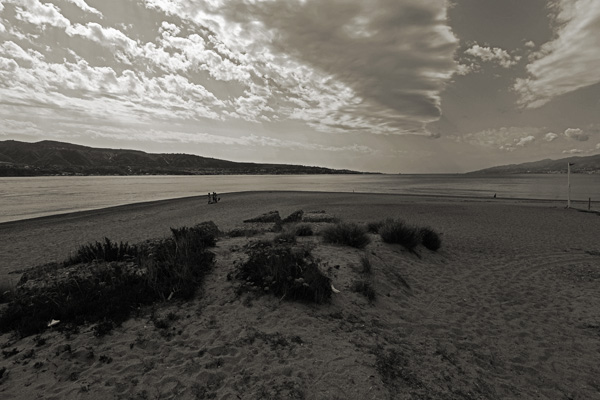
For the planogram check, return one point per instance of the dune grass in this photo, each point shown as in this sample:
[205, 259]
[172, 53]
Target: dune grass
[346, 233]
[304, 230]
[430, 239]
[399, 232]
[108, 288]
[285, 271]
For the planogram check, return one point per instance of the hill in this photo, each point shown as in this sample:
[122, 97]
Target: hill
[58, 158]
[585, 165]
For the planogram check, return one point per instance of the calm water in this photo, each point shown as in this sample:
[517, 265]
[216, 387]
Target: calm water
[31, 197]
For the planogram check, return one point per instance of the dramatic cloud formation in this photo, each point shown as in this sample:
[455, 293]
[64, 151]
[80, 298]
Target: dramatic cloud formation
[577, 134]
[388, 85]
[385, 60]
[570, 61]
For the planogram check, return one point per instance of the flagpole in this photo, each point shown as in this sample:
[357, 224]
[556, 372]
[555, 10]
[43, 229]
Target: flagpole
[568, 185]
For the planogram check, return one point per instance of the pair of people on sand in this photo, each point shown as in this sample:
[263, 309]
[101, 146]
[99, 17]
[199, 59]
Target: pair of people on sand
[212, 198]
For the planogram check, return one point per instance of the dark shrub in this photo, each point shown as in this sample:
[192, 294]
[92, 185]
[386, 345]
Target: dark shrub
[110, 291]
[373, 227]
[349, 234]
[286, 272]
[287, 236]
[7, 289]
[366, 289]
[430, 239]
[398, 232]
[304, 230]
[103, 251]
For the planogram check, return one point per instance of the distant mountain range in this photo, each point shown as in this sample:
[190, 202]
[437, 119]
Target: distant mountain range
[58, 158]
[585, 165]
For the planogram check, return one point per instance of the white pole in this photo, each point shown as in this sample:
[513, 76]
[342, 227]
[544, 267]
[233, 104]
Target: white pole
[569, 185]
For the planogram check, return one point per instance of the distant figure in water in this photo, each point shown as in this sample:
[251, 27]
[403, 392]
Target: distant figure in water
[494, 195]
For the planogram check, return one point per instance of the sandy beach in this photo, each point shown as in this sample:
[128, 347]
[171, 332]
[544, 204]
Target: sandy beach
[508, 308]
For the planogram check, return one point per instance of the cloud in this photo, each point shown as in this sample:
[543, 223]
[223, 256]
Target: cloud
[37, 13]
[492, 54]
[577, 134]
[550, 136]
[390, 58]
[529, 44]
[505, 138]
[568, 62]
[572, 151]
[525, 141]
[83, 5]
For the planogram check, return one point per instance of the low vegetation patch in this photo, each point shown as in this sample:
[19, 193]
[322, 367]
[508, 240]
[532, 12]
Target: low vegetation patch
[374, 226]
[366, 289]
[430, 239]
[346, 233]
[106, 291]
[365, 263]
[304, 230]
[399, 232]
[286, 271]
[6, 291]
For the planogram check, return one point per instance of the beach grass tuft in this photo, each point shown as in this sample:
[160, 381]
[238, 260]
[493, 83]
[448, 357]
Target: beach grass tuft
[399, 232]
[304, 230]
[365, 263]
[346, 233]
[430, 239]
[285, 271]
[108, 291]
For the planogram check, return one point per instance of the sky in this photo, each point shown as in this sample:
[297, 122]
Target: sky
[395, 86]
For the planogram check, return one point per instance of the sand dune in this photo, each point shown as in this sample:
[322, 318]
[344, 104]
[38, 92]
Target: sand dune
[506, 309]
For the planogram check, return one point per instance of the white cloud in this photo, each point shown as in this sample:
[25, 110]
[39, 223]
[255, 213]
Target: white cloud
[529, 44]
[124, 48]
[492, 54]
[577, 134]
[392, 57]
[37, 13]
[550, 136]
[570, 61]
[85, 7]
[525, 141]
[572, 151]
[505, 138]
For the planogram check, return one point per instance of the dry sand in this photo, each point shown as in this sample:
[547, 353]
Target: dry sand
[508, 308]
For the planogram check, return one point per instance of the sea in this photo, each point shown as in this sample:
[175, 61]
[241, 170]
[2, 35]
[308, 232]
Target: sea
[31, 197]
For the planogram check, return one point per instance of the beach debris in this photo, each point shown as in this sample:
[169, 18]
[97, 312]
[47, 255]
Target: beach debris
[271, 216]
[333, 289]
[170, 296]
[296, 216]
[53, 322]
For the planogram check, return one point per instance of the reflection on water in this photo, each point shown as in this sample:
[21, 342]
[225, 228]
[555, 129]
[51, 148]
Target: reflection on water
[38, 196]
